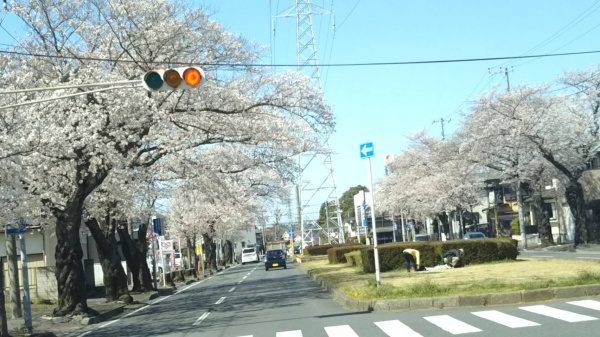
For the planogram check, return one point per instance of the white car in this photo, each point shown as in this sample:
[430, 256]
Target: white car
[249, 255]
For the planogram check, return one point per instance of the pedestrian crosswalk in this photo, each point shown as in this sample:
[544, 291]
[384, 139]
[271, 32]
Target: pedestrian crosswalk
[455, 326]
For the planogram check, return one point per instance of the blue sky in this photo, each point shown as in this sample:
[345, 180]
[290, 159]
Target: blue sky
[384, 104]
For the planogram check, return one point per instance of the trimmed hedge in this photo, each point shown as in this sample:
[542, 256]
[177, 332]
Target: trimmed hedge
[354, 258]
[476, 251]
[337, 254]
[322, 249]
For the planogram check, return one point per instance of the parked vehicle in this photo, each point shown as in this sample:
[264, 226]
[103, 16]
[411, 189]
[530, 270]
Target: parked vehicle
[474, 235]
[249, 255]
[275, 259]
[422, 237]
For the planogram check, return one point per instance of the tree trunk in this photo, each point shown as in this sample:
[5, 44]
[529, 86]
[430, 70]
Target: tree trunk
[542, 222]
[70, 279]
[193, 261]
[135, 254]
[574, 196]
[521, 214]
[115, 279]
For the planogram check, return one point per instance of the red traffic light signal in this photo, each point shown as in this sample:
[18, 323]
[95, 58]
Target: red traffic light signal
[173, 79]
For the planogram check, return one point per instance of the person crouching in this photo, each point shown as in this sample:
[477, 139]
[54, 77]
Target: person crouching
[412, 259]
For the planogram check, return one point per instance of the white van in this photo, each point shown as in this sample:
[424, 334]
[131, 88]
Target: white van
[249, 255]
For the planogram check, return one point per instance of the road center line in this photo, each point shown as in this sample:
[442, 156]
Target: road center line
[201, 318]
[232, 289]
[220, 300]
[245, 277]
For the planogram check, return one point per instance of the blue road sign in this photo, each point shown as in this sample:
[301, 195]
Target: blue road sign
[367, 150]
[15, 230]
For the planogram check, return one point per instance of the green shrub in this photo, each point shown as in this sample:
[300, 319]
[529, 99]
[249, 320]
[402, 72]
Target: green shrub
[322, 249]
[353, 258]
[476, 251]
[337, 254]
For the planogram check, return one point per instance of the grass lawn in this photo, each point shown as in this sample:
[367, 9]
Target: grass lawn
[522, 274]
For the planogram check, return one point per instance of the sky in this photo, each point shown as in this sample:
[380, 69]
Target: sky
[385, 104]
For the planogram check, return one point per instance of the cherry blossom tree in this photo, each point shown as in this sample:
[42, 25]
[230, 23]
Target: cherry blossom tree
[79, 141]
[528, 130]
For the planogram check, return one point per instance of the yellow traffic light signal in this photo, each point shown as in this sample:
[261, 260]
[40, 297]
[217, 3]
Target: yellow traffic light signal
[173, 79]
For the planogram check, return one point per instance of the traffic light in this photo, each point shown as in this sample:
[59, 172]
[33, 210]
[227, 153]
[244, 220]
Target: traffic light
[173, 79]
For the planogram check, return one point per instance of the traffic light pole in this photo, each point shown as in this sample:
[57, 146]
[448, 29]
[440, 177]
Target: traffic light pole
[131, 86]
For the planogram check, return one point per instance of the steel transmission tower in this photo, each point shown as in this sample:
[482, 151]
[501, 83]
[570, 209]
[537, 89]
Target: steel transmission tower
[307, 62]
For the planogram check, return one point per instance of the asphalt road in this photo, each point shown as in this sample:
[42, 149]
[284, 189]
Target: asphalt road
[247, 301]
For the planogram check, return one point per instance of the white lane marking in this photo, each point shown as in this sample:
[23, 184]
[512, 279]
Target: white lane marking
[232, 289]
[220, 300]
[452, 325]
[294, 333]
[240, 281]
[245, 277]
[563, 315]
[396, 328]
[340, 331]
[505, 319]
[201, 318]
[543, 256]
[588, 258]
[136, 310]
[85, 333]
[589, 304]
[108, 323]
[160, 300]
[193, 285]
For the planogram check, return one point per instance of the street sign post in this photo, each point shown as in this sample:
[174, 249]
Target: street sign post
[367, 150]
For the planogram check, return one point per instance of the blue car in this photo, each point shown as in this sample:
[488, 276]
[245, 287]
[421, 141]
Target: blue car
[275, 259]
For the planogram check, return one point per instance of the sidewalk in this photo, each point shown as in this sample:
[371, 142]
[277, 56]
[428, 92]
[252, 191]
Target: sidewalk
[44, 325]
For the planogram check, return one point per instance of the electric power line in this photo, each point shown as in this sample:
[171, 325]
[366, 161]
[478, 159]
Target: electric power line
[350, 64]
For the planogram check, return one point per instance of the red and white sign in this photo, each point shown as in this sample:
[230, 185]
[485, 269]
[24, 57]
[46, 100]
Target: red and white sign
[166, 245]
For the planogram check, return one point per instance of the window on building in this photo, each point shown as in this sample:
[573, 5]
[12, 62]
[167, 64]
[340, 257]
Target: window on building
[550, 208]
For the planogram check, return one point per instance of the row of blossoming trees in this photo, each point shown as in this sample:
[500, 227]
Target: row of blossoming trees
[219, 153]
[524, 137]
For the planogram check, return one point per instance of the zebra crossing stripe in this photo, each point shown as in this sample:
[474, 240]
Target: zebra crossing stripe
[452, 325]
[563, 315]
[396, 328]
[589, 304]
[504, 319]
[340, 331]
[294, 333]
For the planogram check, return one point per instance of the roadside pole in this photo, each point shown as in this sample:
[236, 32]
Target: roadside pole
[367, 151]
[154, 275]
[26, 296]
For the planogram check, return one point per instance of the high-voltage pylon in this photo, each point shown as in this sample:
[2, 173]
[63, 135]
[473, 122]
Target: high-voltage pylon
[307, 62]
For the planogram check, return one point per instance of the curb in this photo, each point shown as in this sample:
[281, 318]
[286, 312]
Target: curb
[416, 303]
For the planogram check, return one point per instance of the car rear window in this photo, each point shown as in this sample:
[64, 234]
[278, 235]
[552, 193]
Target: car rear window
[248, 250]
[274, 253]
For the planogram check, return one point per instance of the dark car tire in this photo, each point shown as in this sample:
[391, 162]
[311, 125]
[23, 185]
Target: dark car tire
[266, 268]
[285, 266]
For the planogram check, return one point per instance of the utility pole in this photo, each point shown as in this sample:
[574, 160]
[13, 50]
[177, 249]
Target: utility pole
[507, 79]
[442, 121]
